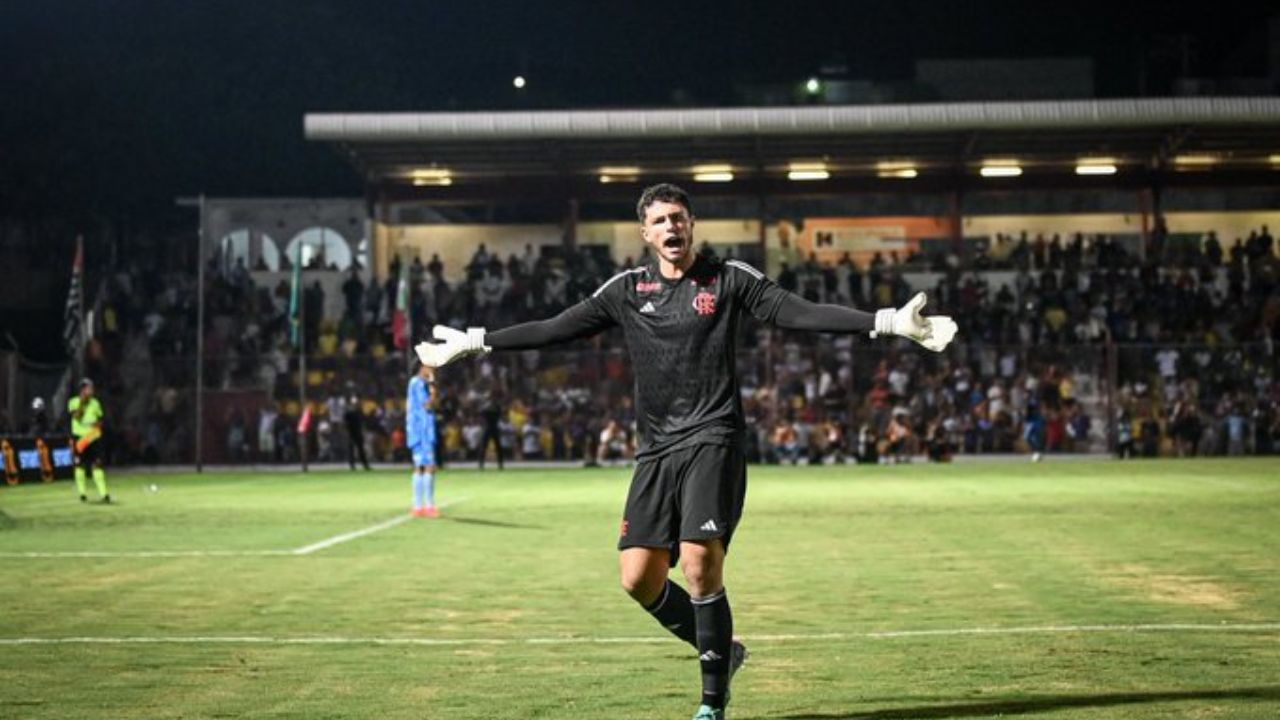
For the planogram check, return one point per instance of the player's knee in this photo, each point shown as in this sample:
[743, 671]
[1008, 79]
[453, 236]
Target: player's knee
[635, 586]
[703, 572]
[700, 579]
[641, 587]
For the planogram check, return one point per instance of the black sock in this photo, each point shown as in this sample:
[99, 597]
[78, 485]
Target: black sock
[675, 612]
[715, 636]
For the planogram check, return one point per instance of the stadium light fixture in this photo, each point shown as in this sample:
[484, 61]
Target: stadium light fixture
[1000, 168]
[813, 86]
[1194, 162]
[619, 174]
[713, 173]
[432, 176]
[518, 82]
[1096, 166]
[808, 171]
[896, 169]
[1275, 162]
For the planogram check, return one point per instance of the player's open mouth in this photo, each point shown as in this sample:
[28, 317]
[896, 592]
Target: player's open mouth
[673, 243]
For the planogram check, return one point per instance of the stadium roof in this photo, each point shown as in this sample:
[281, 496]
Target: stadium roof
[943, 146]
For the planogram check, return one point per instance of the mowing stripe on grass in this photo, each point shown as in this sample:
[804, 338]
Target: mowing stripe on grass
[453, 642]
[304, 550]
[144, 553]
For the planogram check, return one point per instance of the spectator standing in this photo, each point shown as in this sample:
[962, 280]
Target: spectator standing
[531, 439]
[491, 413]
[353, 419]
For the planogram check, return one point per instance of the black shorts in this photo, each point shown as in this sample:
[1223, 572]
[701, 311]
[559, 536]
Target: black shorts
[91, 455]
[695, 493]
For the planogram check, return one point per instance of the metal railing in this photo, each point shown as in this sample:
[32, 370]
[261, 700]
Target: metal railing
[842, 393]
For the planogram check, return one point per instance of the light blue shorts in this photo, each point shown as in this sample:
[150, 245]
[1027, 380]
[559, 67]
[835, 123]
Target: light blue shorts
[423, 456]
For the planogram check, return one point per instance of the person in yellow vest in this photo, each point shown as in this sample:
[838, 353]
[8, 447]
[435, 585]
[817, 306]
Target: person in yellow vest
[86, 428]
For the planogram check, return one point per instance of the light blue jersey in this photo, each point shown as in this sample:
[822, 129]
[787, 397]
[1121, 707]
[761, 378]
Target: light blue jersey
[420, 423]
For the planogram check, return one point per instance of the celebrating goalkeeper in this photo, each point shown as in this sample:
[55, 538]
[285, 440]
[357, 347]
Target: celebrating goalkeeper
[680, 314]
[86, 428]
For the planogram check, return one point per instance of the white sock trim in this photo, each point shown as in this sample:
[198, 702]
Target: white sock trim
[666, 592]
[708, 599]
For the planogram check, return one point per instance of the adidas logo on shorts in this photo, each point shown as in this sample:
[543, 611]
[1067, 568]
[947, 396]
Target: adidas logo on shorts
[709, 526]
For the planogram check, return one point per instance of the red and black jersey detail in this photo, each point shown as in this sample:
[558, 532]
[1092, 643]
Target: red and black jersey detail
[682, 337]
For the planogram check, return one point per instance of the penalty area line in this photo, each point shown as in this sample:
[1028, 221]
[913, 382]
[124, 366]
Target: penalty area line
[345, 537]
[647, 640]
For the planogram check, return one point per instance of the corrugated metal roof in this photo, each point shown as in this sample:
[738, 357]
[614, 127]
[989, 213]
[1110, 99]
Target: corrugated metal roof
[789, 121]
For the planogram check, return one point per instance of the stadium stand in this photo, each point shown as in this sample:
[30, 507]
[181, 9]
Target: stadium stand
[1048, 323]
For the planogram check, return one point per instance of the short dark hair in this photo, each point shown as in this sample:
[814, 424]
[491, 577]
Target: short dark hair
[662, 192]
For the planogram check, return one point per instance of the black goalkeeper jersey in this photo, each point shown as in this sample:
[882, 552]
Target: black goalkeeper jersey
[682, 339]
[682, 335]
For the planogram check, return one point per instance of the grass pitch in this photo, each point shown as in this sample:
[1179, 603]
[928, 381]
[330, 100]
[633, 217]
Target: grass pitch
[1059, 590]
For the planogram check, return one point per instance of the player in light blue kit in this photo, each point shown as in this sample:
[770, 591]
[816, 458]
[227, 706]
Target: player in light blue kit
[420, 436]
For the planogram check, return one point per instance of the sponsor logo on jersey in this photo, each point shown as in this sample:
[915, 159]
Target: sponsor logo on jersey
[648, 308]
[648, 287]
[705, 303]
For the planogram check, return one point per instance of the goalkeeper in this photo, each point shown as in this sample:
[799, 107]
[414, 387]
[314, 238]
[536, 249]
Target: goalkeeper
[680, 313]
[86, 430]
[420, 436]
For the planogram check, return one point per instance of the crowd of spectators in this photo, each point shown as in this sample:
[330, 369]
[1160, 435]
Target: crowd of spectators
[1183, 333]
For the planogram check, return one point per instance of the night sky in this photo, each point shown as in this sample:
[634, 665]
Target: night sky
[114, 107]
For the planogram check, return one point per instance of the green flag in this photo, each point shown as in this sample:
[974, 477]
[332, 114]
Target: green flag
[295, 301]
[401, 322]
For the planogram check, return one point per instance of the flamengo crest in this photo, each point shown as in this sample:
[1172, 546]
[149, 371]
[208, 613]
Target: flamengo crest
[705, 303]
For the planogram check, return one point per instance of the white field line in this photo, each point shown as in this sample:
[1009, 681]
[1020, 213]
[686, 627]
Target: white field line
[304, 550]
[344, 537]
[1265, 628]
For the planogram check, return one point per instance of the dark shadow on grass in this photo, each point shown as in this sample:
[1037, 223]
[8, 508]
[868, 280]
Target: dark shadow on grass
[491, 523]
[1047, 703]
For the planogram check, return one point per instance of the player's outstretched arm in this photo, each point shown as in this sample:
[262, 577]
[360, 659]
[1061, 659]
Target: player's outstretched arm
[451, 344]
[581, 320]
[933, 332]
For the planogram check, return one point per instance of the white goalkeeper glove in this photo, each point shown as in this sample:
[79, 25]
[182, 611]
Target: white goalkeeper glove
[933, 332]
[453, 344]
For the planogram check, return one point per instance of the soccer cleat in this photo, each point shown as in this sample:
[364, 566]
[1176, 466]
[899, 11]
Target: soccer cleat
[419, 512]
[84, 498]
[431, 512]
[706, 712]
[738, 655]
[106, 499]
